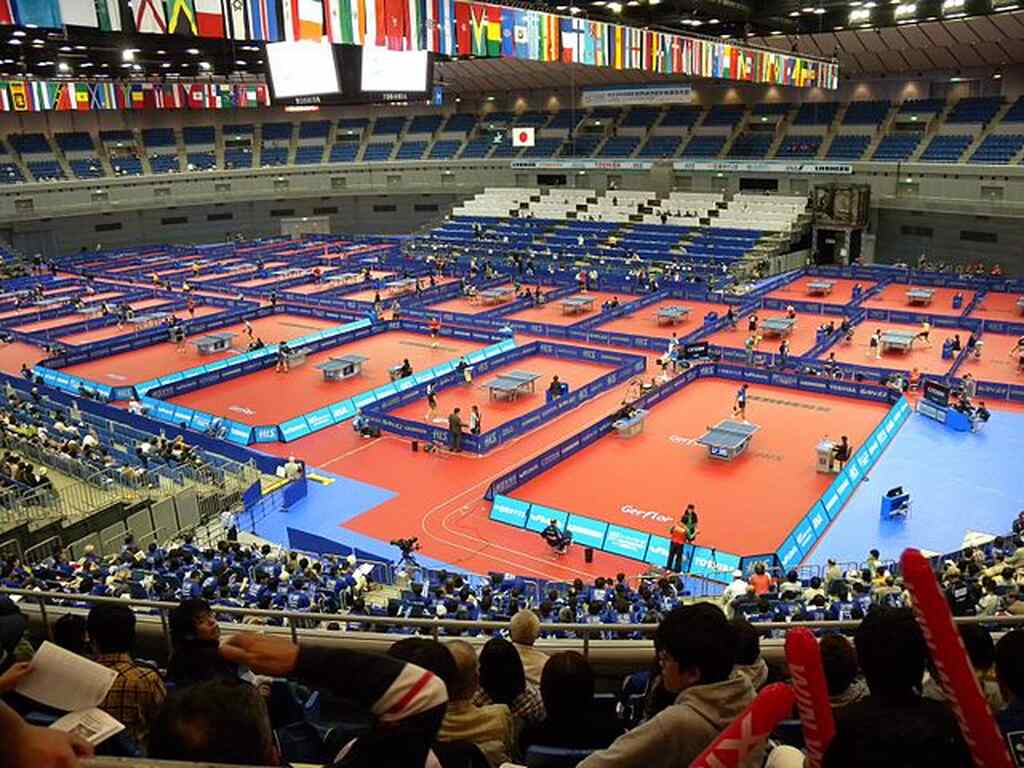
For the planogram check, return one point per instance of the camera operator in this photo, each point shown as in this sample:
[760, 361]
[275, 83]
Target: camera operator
[407, 546]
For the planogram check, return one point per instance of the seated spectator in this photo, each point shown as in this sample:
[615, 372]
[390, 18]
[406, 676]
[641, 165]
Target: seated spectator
[195, 638]
[1010, 674]
[760, 580]
[696, 651]
[791, 588]
[503, 681]
[982, 654]
[292, 468]
[842, 676]
[138, 691]
[749, 661]
[567, 689]
[490, 727]
[220, 721]
[894, 725]
[524, 629]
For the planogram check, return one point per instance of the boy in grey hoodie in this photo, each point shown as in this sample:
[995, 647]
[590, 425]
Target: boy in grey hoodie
[696, 648]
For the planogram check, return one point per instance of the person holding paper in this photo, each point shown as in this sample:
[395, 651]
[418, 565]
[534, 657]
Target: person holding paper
[138, 692]
[29, 745]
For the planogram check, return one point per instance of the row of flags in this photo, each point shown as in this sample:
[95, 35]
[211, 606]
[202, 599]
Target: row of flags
[447, 27]
[68, 96]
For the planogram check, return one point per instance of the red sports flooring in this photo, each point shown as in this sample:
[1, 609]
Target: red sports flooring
[371, 293]
[644, 322]
[662, 470]
[1000, 306]
[309, 288]
[162, 359]
[268, 397]
[14, 354]
[996, 363]
[842, 291]
[110, 331]
[467, 307]
[552, 312]
[803, 336]
[895, 297]
[493, 412]
[926, 359]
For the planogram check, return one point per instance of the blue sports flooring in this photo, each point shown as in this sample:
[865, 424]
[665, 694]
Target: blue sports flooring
[314, 523]
[958, 482]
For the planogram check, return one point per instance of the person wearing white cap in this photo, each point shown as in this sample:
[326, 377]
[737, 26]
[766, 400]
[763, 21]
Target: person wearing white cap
[738, 587]
[524, 629]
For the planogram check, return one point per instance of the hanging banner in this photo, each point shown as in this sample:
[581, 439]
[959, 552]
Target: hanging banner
[764, 166]
[64, 96]
[644, 94]
[582, 165]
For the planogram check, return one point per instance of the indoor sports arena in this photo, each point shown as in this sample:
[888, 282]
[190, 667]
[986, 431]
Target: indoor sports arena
[616, 384]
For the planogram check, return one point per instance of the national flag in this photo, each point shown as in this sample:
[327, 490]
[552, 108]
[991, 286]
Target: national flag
[149, 16]
[6, 16]
[478, 27]
[446, 27]
[40, 96]
[98, 97]
[523, 137]
[265, 20]
[38, 13]
[520, 35]
[196, 96]
[64, 98]
[108, 15]
[552, 38]
[508, 26]
[210, 18]
[493, 30]
[338, 24]
[79, 13]
[136, 96]
[181, 18]
[463, 29]
[54, 89]
[572, 40]
[236, 20]
[396, 24]
[5, 99]
[19, 96]
[303, 19]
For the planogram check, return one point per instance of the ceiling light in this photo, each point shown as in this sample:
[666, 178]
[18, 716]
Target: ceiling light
[63, 67]
[712, 21]
[860, 16]
[161, 52]
[166, 65]
[653, 2]
[125, 65]
[615, 7]
[38, 41]
[81, 48]
[776, 32]
[905, 10]
[136, 67]
[794, 13]
[86, 65]
[819, 11]
[633, 3]
[241, 63]
[204, 65]
[45, 64]
[997, 76]
[192, 51]
[14, 41]
[953, 6]
[18, 33]
[65, 49]
[128, 55]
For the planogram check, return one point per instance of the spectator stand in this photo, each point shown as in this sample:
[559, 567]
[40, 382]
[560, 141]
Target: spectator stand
[626, 365]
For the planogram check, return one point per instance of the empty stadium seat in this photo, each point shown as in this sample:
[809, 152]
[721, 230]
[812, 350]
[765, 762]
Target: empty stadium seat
[411, 150]
[238, 129]
[45, 170]
[975, 110]
[74, 142]
[704, 146]
[158, 137]
[460, 123]
[771, 108]
[816, 113]
[445, 149]
[385, 126]
[1015, 114]
[725, 115]
[848, 147]
[30, 143]
[751, 145]
[314, 129]
[477, 148]
[10, 174]
[922, 106]
[660, 146]
[620, 146]
[126, 165]
[681, 117]
[271, 157]
[277, 131]
[866, 113]
[897, 147]
[344, 152]
[641, 117]
[425, 123]
[236, 157]
[164, 163]
[199, 134]
[202, 161]
[946, 149]
[86, 168]
[583, 146]
[566, 119]
[543, 148]
[378, 151]
[998, 149]
[310, 154]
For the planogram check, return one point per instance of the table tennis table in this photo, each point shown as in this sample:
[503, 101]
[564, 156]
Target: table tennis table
[577, 305]
[727, 439]
[497, 295]
[342, 367]
[401, 287]
[51, 302]
[509, 385]
[821, 287]
[345, 278]
[777, 326]
[290, 272]
[672, 315]
[214, 342]
[920, 296]
[295, 357]
[901, 340]
[149, 320]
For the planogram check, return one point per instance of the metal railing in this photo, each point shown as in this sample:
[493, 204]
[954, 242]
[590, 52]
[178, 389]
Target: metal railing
[583, 637]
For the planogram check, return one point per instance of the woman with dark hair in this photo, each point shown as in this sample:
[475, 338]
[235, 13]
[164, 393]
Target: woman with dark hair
[503, 681]
[842, 675]
[195, 641]
[567, 689]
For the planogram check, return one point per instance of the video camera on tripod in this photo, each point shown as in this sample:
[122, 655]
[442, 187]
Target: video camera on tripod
[407, 547]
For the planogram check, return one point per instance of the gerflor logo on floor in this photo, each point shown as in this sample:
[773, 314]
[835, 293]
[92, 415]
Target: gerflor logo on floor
[645, 514]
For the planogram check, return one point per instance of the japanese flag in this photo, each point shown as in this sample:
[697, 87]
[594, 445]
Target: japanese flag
[522, 137]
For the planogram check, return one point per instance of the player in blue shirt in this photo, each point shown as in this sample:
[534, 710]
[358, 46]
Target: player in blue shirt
[740, 408]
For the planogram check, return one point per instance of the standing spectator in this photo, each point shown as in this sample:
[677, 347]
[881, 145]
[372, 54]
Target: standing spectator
[475, 420]
[490, 727]
[567, 689]
[229, 522]
[138, 691]
[760, 580]
[696, 651]
[455, 431]
[524, 630]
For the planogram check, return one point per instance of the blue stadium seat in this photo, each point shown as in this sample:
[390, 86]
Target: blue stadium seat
[816, 113]
[461, 122]
[272, 157]
[202, 161]
[897, 147]
[238, 129]
[314, 129]
[1016, 113]
[158, 137]
[584, 146]
[477, 148]
[86, 168]
[30, 143]
[378, 151]
[641, 117]
[425, 123]
[922, 106]
[848, 147]
[771, 108]
[998, 149]
[277, 131]
[310, 154]
[45, 170]
[164, 163]
[566, 119]
[751, 145]
[620, 146]
[975, 110]
[126, 165]
[235, 157]
[385, 126]
[660, 146]
[725, 115]
[445, 149]
[681, 117]
[946, 149]
[543, 148]
[74, 142]
[796, 146]
[866, 113]
[411, 150]
[199, 134]
[704, 146]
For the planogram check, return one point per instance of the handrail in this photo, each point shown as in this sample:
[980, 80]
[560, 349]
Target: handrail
[586, 630]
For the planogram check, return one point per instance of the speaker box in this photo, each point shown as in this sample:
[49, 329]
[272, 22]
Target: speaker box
[588, 555]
